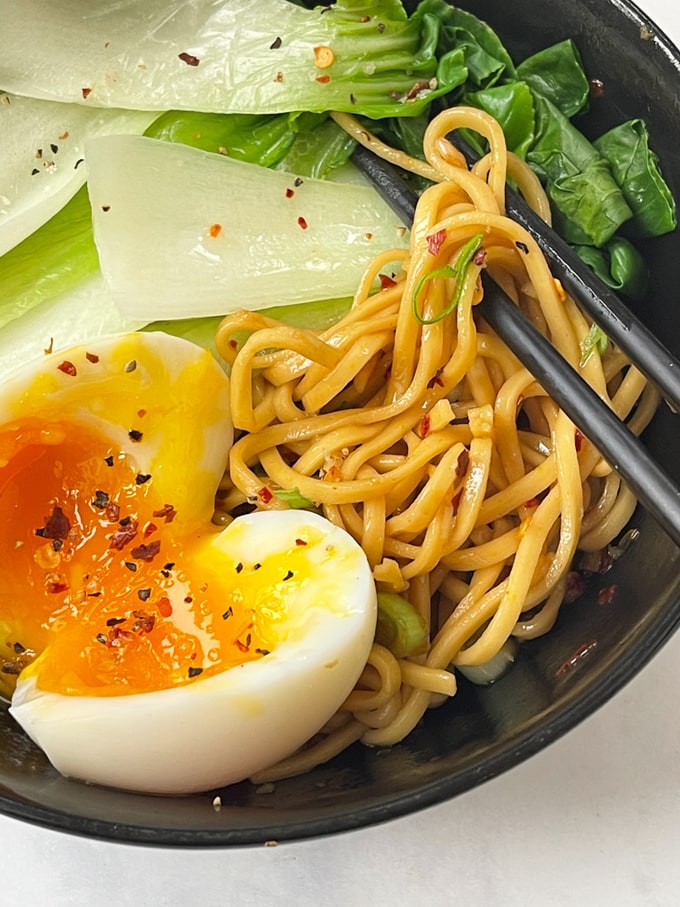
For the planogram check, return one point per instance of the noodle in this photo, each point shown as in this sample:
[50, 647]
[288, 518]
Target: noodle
[414, 428]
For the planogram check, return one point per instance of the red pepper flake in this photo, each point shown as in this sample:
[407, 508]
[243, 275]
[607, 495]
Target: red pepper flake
[578, 440]
[290, 193]
[57, 525]
[574, 659]
[424, 426]
[112, 512]
[146, 552]
[141, 413]
[278, 77]
[302, 223]
[149, 529]
[215, 230]
[386, 282]
[189, 59]
[194, 672]
[435, 241]
[276, 43]
[168, 513]
[164, 607]
[479, 258]
[265, 494]
[324, 80]
[68, 368]
[85, 91]
[455, 500]
[532, 502]
[241, 646]
[607, 595]
[92, 357]
[121, 537]
[462, 464]
[300, 542]
[233, 344]
[144, 623]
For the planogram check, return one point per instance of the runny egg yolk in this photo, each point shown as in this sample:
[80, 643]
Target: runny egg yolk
[103, 594]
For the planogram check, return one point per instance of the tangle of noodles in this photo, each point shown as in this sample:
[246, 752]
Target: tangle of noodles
[421, 434]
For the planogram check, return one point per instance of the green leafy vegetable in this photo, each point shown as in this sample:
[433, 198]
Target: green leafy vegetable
[618, 264]
[54, 258]
[512, 104]
[374, 59]
[556, 74]
[400, 628]
[579, 181]
[636, 170]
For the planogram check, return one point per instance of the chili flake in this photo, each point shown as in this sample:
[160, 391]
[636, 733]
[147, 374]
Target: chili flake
[265, 494]
[300, 542]
[146, 552]
[189, 59]
[424, 426]
[607, 595]
[290, 193]
[149, 529]
[68, 368]
[164, 607]
[386, 282]
[323, 56]
[215, 230]
[596, 88]
[122, 536]
[278, 77]
[324, 80]
[57, 525]
[168, 513]
[302, 223]
[462, 464]
[435, 241]
[86, 91]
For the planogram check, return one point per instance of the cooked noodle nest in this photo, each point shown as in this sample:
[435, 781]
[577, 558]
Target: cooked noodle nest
[411, 425]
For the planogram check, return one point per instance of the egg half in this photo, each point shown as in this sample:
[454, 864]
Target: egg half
[142, 647]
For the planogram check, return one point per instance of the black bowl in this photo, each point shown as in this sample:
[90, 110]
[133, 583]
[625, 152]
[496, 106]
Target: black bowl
[559, 679]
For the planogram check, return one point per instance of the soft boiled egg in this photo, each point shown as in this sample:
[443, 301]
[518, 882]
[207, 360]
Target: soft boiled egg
[151, 650]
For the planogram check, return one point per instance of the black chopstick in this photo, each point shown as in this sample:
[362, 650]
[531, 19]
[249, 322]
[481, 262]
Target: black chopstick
[593, 295]
[625, 453]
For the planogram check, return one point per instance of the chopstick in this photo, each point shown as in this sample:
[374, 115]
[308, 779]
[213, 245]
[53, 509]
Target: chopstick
[624, 452]
[593, 295]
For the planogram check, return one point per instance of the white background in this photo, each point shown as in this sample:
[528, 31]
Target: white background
[592, 820]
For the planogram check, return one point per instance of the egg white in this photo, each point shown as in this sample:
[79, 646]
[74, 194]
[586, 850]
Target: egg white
[223, 728]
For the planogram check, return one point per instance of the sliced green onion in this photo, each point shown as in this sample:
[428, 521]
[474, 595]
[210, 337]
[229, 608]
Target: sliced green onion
[401, 629]
[596, 341]
[457, 271]
[294, 498]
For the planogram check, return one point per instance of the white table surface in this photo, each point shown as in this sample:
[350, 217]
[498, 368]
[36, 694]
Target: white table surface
[592, 820]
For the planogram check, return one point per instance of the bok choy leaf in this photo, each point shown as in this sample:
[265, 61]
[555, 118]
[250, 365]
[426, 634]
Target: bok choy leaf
[41, 157]
[182, 232]
[240, 56]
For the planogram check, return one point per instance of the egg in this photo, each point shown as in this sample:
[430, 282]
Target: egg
[143, 647]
